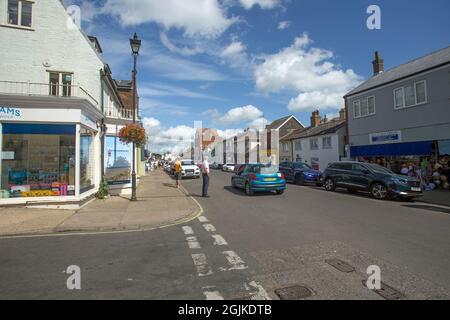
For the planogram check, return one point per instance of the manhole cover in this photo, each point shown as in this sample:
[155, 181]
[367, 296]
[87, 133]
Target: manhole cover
[340, 265]
[294, 293]
[387, 292]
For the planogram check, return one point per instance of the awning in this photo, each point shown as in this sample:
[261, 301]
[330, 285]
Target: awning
[393, 149]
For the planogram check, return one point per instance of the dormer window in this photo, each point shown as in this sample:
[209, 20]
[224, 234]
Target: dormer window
[20, 13]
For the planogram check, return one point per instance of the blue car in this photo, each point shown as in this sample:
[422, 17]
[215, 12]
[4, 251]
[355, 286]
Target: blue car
[259, 177]
[300, 173]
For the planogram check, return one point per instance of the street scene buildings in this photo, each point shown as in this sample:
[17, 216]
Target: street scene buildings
[234, 150]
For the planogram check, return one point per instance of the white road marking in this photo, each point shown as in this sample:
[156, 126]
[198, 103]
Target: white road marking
[259, 294]
[202, 219]
[201, 264]
[187, 230]
[193, 243]
[209, 227]
[212, 294]
[235, 262]
[219, 240]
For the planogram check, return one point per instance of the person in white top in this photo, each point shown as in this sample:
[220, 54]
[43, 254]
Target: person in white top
[205, 174]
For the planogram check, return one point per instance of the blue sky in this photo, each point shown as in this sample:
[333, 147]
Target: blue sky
[237, 63]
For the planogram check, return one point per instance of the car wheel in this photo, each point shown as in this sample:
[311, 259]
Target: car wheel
[280, 192]
[299, 180]
[329, 184]
[379, 191]
[350, 190]
[248, 189]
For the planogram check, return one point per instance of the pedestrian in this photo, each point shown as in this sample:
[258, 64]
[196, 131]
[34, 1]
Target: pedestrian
[177, 171]
[205, 174]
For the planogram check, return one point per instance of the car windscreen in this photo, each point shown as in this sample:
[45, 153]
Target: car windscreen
[379, 169]
[265, 169]
[302, 166]
[187, 163]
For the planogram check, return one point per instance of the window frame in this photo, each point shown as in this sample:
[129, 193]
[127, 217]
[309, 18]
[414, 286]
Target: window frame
[311, 143]
[327, 146]
[19, 15]
[366, 99]
[298, 143]
[414, 85]
[61, 88]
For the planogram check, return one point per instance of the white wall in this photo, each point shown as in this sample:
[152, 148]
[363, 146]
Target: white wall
[325, 155]
[23, 52]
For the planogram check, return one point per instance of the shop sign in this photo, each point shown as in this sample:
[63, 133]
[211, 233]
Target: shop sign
[385, 137]
[8, 155]
[88, 122]
[9, 113]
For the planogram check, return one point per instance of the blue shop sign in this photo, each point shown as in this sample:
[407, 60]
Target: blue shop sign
[8, 113]
[386, 137]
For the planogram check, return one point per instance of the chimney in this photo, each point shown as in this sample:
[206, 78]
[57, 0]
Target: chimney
[315, 119]
[378, 64]
[342, 115]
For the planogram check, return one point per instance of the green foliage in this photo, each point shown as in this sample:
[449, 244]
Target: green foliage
[103, 190]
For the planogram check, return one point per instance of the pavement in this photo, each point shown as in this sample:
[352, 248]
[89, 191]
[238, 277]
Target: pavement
[159, 204]
[246, 248]
[440, 197]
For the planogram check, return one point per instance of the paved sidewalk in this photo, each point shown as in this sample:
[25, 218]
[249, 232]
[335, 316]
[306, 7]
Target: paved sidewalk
[159, 203]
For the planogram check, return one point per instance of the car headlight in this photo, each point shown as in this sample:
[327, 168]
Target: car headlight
[400, 181]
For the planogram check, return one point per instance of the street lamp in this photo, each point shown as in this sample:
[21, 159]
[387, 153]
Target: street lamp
[135, 44]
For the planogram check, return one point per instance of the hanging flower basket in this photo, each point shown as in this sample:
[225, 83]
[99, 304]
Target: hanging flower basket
[133, 133]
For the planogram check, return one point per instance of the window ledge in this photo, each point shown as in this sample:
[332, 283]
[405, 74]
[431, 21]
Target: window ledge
[13, 26]
[361, 117]
[414, 105]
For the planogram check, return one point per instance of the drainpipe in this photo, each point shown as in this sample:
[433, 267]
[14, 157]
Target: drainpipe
[103, 126]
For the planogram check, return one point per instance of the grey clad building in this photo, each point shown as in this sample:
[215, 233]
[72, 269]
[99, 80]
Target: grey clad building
[402, 115]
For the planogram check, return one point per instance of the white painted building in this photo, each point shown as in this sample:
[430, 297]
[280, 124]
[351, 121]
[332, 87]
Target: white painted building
[54, 93]
[320, 144]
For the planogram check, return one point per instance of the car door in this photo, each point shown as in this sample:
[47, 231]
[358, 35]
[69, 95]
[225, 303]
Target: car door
[340, 173]
[240, 177]
[288, 170]
[359, 176]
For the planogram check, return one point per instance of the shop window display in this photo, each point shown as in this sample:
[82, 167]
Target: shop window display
[86, 160]
[117, 161]
[37, 160]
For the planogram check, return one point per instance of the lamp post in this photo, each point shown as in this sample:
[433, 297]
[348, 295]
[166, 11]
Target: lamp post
[135, 43]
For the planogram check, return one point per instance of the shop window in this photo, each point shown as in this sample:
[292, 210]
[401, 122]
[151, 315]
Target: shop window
[87, 162]
[37, 160]
[20, 13]
[117, 161]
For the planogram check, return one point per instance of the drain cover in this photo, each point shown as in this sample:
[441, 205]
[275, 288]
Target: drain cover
[294, 293]
[387, 292]
[340, 265]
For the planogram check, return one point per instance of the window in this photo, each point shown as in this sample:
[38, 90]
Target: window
[37, 160]
[326, 143]
[60, 84]
[87, 161]
[364, 107]
[298, 145]
[410, 95]
[314, 144]
[285, 147]
[20, 13]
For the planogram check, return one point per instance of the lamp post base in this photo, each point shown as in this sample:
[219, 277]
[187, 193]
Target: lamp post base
[133, 187]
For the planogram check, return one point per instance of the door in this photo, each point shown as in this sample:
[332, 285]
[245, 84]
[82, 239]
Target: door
[359, 176]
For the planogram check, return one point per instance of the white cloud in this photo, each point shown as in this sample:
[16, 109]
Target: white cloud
[259, 123]
[234, 54]
[205, 18]
[284, 25]
[235, 115]
[263, 4]
[319, 82]
[151, 123]
[185, 51]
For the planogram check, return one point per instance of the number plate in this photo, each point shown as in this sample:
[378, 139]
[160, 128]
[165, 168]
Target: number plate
[416, 189]
[270, 179]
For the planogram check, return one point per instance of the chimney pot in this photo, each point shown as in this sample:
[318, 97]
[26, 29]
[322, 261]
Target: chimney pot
[315, 119]
[378, 64]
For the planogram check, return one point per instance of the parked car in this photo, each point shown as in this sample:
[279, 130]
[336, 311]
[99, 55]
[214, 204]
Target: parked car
[300, 173]
[259, 177]
[228, 167]
[214, 165]
[238, 168]
[379, 181]
[189, 169]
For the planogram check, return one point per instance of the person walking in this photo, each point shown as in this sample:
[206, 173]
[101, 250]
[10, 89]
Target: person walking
[205, 174]
[177, 171]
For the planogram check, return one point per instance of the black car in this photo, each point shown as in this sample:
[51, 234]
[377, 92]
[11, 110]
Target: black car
[379, 181]
[300, 173]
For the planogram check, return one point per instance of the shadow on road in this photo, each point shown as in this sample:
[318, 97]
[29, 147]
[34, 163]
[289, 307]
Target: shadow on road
[242, 193]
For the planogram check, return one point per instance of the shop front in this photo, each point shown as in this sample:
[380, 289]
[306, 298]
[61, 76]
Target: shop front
[47, 155]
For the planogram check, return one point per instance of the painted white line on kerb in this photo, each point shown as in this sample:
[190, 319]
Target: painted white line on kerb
[212, 295]
[258, 293]
[209, 227]
[193, 243]
[202, 219]
[219, 240]
[201, 264]
[188, 230]
[235, 262]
